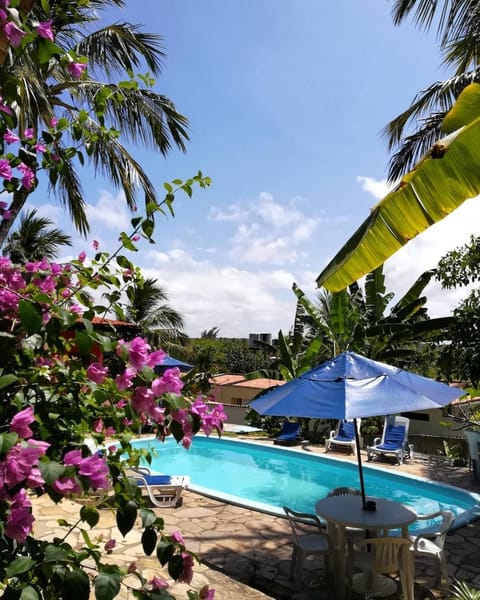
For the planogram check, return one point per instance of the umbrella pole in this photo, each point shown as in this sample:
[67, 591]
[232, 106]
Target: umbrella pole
[359, 458]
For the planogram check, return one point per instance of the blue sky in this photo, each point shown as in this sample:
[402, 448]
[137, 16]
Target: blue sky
[286, 100]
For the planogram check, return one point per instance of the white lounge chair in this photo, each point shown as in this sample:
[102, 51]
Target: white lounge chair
[163, 490]
[344, 436]
[394, 440]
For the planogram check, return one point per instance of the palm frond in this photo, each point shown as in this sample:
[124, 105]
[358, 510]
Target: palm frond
[120, 47]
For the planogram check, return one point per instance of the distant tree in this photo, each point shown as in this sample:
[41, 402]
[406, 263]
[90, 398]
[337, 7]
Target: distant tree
[34, 239]
[239, 358]
[460, 267]
[210, 333]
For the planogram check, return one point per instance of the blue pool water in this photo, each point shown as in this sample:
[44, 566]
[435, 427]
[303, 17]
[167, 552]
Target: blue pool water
[267, 478]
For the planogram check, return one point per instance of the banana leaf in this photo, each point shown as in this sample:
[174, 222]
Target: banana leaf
[447, 176]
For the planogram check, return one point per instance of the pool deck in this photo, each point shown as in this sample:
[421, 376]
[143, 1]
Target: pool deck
[246, 554]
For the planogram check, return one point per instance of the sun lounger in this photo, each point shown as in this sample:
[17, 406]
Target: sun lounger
[163, 490]
[393, 441]
[343, 436]
[290, 435]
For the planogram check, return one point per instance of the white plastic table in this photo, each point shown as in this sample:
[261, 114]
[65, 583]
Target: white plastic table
[346, 511]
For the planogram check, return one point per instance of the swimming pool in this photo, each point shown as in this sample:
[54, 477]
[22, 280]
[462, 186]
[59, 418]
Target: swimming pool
[267, 478]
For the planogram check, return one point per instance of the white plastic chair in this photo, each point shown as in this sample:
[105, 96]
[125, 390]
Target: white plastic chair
[344, 436]
[382, 556]
[309, 538]
[430, 540]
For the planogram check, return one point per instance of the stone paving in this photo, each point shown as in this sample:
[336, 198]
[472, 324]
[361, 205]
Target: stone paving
[246, 554]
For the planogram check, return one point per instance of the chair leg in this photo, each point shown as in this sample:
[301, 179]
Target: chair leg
[442, 568]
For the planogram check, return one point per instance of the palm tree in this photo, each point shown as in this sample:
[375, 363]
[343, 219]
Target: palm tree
[144, 117]
[458, 28]
[34, 239]
[148, 307]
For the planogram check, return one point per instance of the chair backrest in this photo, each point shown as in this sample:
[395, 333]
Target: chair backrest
[344, 491]
[395, 430]
[473, 441]
[390, 553]
[346, 429]
[302, 523]
[438, 530]
[290, 428]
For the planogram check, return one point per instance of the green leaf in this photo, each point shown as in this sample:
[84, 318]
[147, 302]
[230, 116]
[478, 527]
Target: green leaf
[19, 565]
[7, 441]
[84, 343]
[126, 517]
[149, 540]
[165, 551]
[107, 584]
[149, 518]
[50, 470]
[29, 593]
[90, 515]
[30, 316]
[175, 567]
[76, 585]
[6, 380]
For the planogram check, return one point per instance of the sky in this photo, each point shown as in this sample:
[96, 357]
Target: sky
[286, 101]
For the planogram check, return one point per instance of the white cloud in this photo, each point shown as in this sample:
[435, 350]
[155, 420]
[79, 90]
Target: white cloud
[378, 188]
[234, 212]
[237, 301]
[110, 211]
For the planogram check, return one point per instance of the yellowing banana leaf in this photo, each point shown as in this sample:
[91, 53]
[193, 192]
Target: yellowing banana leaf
[440, 183]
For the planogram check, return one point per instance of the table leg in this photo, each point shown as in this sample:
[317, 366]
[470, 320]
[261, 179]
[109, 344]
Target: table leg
[337, 535]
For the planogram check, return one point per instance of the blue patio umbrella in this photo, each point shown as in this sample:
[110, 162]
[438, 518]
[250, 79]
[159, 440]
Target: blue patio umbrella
[351, 386]
[169, 363]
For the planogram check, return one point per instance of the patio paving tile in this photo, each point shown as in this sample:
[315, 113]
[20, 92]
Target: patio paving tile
[246, 554]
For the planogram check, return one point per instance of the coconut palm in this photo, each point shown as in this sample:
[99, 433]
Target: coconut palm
[34, 239]
[458, 28]
[144, 117]
[148, 307]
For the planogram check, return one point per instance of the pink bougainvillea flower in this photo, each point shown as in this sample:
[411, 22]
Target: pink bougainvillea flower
[76, 69]
[20, 520]
[156, 358]
[21, 421]
[10, 137]
[53, 122]
[187, 573]
[66, 486]
[95, 245]
[5, 108]
[35, 478]
[206, 593]
[138, 353]
[40, 148]
[14, 34]
[98, 426]
[45, 30]
[5, 169]
[96, 372]
[169, 382]
[82, 256]
[158, 583]
[110, 545]
[29, 133]
[76, 308]
[142, 399]
[28, 176]
[177, 537]
[125, 380]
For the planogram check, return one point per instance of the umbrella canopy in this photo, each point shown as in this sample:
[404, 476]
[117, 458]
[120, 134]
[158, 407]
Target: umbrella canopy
[350, 386]
[169, 363]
